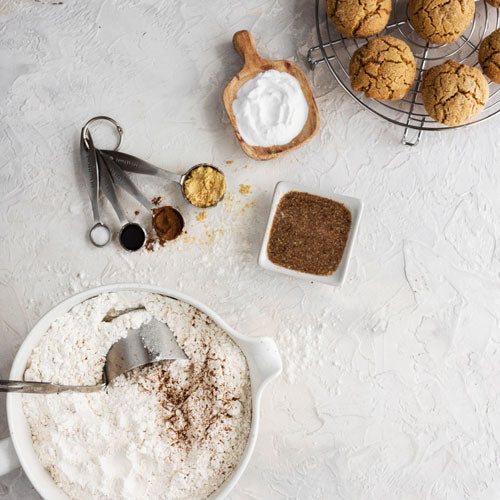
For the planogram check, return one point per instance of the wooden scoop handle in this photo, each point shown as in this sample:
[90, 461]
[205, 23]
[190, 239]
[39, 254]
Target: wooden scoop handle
[244, 44]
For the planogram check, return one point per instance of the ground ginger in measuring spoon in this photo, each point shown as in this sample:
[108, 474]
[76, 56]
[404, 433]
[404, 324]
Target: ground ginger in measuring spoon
[205, 186]
[270, 109]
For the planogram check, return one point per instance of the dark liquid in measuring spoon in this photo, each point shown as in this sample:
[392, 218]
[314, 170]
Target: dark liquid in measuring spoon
[132, 237]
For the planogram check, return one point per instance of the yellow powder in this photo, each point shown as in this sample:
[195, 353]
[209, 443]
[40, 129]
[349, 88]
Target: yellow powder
[205, 186]
[201, 216]
[247, 205]
[245, 188]
[230, 162]
[189, 239]
[211, 236]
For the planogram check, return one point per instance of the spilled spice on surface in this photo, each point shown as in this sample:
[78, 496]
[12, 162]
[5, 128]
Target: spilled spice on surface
[211, 235]
[309, 233]
[150, 243]
[247, 205]
[201, 216]
[156, 201]
[229, 162]
[189, 240]
[168, 223]
[245, 188]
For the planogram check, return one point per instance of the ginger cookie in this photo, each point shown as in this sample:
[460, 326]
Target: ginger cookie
[453, 93]
[384, 69]
[359, 18]
[494, 3]
[440, 21]
[489, 56]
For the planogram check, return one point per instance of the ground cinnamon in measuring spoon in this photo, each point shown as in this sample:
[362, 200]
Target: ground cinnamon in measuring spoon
[168, 223]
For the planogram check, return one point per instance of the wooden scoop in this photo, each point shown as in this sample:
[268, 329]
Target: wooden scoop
[253, 64]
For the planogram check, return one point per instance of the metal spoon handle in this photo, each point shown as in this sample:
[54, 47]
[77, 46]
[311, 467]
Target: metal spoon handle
[108, 188]
[90, 171]
[122, 180]
[45, 387]
[137, 166]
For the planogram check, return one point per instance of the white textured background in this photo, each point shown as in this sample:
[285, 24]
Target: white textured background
[391, 385]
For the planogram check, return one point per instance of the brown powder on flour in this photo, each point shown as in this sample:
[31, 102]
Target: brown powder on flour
[200, 403]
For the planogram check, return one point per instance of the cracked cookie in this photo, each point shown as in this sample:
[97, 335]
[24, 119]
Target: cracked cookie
[489, 56]
[384, 69]
[440, 21]
[359, 18]
[454, 93]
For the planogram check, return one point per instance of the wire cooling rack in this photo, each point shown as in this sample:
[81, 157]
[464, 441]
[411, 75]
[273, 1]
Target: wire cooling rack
[336, 51]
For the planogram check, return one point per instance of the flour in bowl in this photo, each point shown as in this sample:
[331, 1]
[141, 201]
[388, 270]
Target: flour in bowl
[170, 430]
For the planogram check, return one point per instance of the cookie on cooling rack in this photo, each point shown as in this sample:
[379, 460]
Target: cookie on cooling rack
[440, 23]
[359, 18]
[384, 69]
[453, 93]
[489, 56]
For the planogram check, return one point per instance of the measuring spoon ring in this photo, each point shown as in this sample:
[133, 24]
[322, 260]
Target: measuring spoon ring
[132, 235]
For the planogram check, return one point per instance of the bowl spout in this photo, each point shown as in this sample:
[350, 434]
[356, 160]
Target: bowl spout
[263, 359]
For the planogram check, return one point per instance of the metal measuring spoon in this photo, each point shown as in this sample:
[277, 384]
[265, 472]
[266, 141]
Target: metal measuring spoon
[132, 235]
[99, 234]
[135, 165]
[122, 180]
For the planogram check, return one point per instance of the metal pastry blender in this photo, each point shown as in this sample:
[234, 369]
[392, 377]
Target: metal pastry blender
[151, 342]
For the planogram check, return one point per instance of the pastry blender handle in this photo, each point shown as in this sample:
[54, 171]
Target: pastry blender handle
[44, 387]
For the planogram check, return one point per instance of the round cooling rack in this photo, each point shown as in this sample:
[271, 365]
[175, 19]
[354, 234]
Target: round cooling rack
[336, 51]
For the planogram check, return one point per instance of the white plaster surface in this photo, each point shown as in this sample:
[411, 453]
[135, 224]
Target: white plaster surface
[390, 388]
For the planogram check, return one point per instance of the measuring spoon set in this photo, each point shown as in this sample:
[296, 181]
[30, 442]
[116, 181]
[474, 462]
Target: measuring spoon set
[104, 170]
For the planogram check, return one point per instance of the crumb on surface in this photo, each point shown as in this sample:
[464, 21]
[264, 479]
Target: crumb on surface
[245, 188]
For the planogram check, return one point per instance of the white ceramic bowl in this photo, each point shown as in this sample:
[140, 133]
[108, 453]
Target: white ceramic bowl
[261, 353]
[355, 206]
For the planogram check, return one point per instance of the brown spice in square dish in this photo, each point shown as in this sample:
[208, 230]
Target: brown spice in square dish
[309, 233]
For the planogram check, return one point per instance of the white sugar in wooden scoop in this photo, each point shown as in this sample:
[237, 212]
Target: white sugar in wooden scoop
[270, 109]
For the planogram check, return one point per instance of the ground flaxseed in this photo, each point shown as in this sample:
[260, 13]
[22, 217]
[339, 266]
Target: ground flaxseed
[309, 233]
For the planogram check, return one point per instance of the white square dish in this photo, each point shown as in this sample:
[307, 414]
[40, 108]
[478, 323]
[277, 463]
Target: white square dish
[354, 205]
